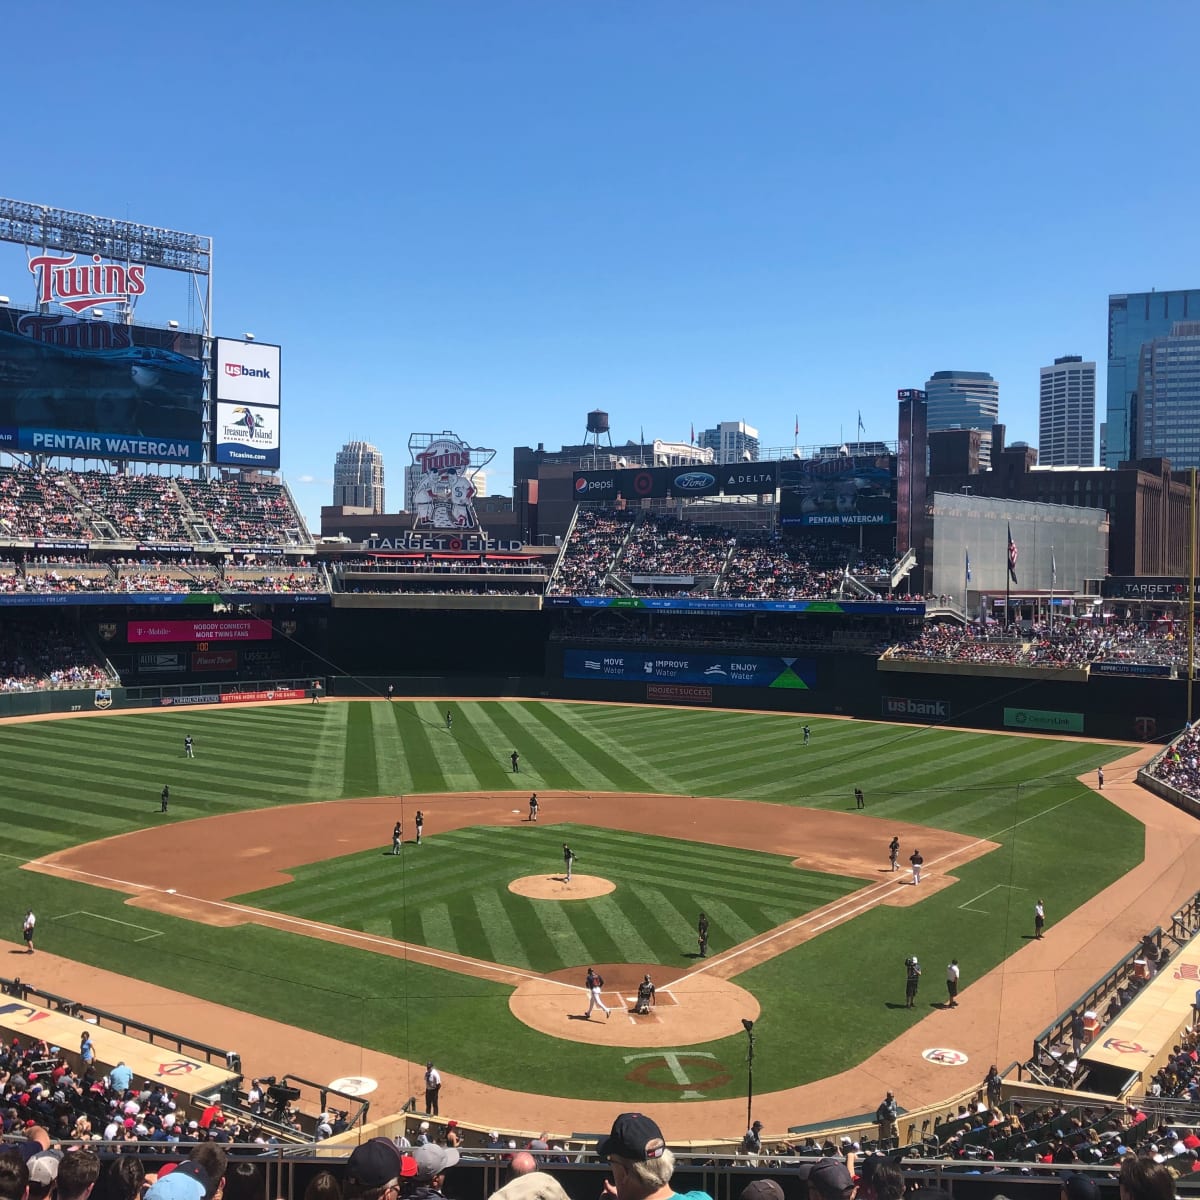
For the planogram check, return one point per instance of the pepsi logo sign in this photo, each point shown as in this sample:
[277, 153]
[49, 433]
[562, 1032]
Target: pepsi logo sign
[694, 481]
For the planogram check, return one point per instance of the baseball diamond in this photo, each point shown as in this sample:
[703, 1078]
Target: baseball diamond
[272, 882]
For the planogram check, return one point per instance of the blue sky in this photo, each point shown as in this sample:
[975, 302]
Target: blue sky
[492, 217]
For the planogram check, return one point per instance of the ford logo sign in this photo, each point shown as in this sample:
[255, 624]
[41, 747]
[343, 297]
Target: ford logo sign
[694, 481]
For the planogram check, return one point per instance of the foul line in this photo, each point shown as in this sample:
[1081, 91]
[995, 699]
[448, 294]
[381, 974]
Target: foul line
[83, 912]
[965, 906]
[866, 898]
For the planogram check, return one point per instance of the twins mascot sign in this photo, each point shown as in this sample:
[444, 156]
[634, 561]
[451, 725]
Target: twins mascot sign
[445, 489]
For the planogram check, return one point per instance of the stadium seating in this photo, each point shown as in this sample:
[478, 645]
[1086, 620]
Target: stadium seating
[37, 654]
[100, 506]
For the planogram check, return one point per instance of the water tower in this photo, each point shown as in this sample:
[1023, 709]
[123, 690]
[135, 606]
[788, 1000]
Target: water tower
[597, 426]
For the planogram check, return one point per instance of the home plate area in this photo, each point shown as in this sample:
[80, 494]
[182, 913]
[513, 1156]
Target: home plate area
[693, 1006]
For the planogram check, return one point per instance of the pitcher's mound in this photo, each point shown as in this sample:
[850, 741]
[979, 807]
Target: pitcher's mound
[556, 887]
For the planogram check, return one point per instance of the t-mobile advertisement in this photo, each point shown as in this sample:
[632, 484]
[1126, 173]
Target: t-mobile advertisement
[248, 630]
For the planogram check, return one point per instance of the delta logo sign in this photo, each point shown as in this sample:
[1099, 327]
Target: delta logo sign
[60, 281]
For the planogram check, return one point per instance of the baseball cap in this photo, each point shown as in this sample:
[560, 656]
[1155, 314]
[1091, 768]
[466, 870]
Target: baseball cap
[378, 1162]
[634, 1137]
[433, 1159]
[43, 1169]
[762, 1189]
[186, 1182]
[830, 1177]
[1080, 1187]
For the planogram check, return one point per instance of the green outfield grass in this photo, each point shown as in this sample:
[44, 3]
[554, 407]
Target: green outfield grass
[825, 1004]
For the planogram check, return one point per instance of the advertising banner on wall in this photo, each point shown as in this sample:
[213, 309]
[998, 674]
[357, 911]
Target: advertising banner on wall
[639, 483]
[246, 372]
[99, 389]
[717, 670]
[246, 435]
[250, 629]
[840, 491]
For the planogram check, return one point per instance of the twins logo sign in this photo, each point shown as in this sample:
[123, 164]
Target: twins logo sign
[445, 487]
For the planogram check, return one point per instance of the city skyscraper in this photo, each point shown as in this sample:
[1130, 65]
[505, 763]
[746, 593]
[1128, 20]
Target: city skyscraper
[964, 400]
[1167, 415]
[731, 441]
[1067, 413]
[1134, 319]
[358, 477]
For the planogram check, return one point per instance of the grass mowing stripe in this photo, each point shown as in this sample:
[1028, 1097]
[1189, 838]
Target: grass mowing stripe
[677, 927]
[504, 943]
[599, 762]
[491, 770]
[437, 928]
[632, 946]
[540, 764]
[500, 734]
[423, 763]
[644, 760]
[359, 770]
[561, 937]
[391, 763]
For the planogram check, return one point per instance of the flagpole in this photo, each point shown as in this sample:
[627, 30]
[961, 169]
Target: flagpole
[1007, 580]
[966, 577]
[1053, 574]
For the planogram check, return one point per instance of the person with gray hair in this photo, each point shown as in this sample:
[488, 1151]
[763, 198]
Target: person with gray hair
[642, 1165]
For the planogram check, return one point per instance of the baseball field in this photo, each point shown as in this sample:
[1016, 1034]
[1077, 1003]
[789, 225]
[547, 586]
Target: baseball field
[269, 885]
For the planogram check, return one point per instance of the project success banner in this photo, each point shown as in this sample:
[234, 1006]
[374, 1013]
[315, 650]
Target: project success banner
[719, 670]
[248, 630]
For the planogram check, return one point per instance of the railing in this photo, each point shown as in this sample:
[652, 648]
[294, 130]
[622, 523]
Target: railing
[150, 1033]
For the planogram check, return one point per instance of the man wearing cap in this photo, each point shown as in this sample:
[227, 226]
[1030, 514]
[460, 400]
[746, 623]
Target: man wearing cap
[27, 929]
[433, 1161]
[645, 996]
[1075, 1186]
[433, 1085]
[592, 984]
[917, 860]
[886, 1115]
[952, 974]
[375, 1170]
[752, 1139]
[912, 981]
[762, 1189]
[43, 1173]
[642, 1165]
[830, 1180]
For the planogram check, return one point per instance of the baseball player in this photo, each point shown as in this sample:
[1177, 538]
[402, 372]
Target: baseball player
[449, 721]
[807, 735]
[533, 807]
[419, 821]
[702, 935]
[859, 802]
[593, 983]
[164, 798]
[397, 837]
[894, 852]
[917, 863]
[187, 748]
[645, 996]
[391, 691]
[568, 859]
[516, 761]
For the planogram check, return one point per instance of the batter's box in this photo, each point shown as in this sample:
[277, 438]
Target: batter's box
[665, 998]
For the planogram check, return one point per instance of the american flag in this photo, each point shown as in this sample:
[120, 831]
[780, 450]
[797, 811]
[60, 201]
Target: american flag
[1012, 556]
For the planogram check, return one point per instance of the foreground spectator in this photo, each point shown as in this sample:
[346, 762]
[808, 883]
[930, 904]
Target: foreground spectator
[642, 1165]
[375, 1168]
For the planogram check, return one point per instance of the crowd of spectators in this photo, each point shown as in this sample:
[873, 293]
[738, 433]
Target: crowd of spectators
[722, 563]
[1179, 767]
[38, 505]
[665, 546]
[36, 655]
[589, 553]
[958, 643]
[242, 512]
[94, 505]
[145, 508]
[55, 581]
[1069, 645]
